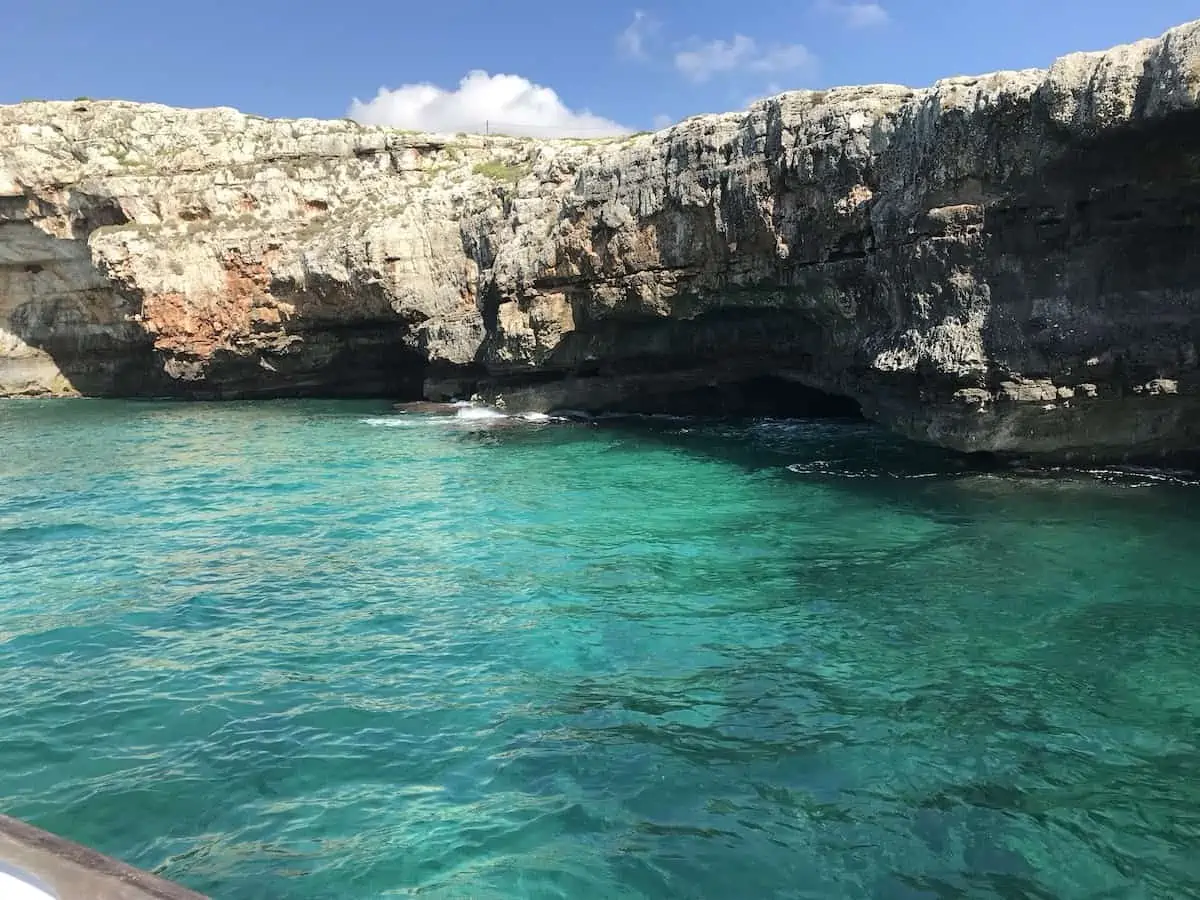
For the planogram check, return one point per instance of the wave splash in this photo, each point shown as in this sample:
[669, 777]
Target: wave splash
[479, 412]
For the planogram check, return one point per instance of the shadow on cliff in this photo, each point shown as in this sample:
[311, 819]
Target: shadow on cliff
[1101, 253]
[363, 360]
[338, 340]
[1093, 270]
[62, 306]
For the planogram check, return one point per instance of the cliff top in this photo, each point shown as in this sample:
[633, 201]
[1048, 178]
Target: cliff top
[1155, 74]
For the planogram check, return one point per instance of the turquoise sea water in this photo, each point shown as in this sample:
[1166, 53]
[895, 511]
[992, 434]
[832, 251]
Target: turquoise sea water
[317, 650]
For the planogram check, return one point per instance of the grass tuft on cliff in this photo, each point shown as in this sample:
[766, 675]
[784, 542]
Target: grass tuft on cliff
[504, 172]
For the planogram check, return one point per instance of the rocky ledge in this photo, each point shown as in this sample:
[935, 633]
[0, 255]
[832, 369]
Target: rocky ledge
[1006, 263]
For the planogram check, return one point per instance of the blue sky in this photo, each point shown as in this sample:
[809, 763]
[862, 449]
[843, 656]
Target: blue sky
[628, 64]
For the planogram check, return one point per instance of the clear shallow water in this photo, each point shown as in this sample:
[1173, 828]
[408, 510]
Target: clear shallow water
[314, 650]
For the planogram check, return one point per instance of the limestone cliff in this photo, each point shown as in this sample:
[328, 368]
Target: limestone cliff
[1007, 263]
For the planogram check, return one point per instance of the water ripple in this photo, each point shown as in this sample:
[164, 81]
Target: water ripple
[324, 650]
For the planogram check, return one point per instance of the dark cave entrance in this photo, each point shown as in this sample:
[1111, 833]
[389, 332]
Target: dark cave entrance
[769, 395]
[758, 396]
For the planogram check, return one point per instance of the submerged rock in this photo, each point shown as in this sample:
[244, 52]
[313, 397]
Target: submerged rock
[1006, 263]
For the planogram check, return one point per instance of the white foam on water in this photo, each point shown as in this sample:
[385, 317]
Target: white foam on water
[825, 469]
[466, 412]
[1131, 475]
[479, 412]
[820, 467]
[403, 421]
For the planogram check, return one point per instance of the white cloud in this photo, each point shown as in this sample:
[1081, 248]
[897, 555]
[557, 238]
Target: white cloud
[856, 14]
[632, 41]
[662, 120]
[740, 54]
[787, 58]
[508, 104]
[716, 56]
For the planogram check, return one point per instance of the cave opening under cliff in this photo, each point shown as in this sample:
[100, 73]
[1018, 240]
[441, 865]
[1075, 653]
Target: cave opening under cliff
[755, 396]
[790, 398]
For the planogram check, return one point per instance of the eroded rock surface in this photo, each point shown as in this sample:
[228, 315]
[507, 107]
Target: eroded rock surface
[1007, 263]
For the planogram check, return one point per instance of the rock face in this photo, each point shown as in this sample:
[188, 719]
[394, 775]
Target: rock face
[1008, 263]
